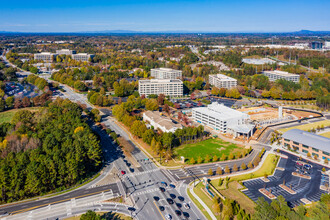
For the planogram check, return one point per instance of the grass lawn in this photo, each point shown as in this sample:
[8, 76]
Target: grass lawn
[307, 127]
[233, 192]
[209, 147]
[198, 192]
[8, 115]
[326, 134]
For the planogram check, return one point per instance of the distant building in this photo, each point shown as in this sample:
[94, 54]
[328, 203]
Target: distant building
[168, 87]
[161, 122]
[65, 52]
[222, 81]
[306, 142]
[166, 73]
[45, 56]
[316, 45]
[224, 119]
[301, 45]
[276, 74]
[327, 44]
[84, 57]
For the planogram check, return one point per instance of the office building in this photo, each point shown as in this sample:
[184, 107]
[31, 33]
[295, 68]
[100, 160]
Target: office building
[84, 57]
[327, 44]
[306, 142]
[65, 52]
[166, 73]
[45, 56]
[316, 45]
[223, 119]
[222, 81]
[161, 122]
[168, 87]
[276, 74]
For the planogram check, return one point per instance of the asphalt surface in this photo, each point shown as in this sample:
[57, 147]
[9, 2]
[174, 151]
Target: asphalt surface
[309, 189]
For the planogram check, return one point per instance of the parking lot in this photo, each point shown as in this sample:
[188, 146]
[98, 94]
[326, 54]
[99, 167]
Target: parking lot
[18, 90]
[304, 188]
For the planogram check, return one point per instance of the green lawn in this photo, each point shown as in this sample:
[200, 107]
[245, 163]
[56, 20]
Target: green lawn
[8, 115]
[308, 126]
[198, 204]
[209, 147]
[326, 134]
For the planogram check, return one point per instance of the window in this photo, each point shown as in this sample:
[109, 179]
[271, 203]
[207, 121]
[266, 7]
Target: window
[316, 150]
[315, 154]
[326, 153]
[305, 146]
[287, 140]
[305, 151]
[295, 143]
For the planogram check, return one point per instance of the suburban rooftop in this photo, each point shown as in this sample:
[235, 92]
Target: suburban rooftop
[282, 73]
[160, 81]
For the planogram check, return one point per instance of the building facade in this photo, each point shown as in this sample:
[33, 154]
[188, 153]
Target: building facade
[166, 73]
[223, 119]
[306, 142]
[276, 74]
[160, 122]
[45, 56]
[222, 81]
[316, 45]
[168, 87]
[83, 57]
[65, 52]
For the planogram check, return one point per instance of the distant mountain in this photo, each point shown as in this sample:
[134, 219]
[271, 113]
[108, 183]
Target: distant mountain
[308, 32]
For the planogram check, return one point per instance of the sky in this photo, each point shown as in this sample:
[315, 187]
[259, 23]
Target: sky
[165, 15]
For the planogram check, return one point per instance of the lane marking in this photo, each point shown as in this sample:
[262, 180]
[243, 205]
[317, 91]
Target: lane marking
[159, 210]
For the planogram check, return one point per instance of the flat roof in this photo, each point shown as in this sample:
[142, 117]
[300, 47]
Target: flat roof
[309, 139]
[220, 111]
[281, 73]
[166, 69]
[160, 81]
[223, 77]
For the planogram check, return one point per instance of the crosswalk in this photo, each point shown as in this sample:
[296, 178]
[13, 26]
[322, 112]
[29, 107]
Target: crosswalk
[141, 173]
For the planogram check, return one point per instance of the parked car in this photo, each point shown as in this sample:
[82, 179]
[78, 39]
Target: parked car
[186, 206]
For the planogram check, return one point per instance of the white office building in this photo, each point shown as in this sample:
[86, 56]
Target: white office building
[65, 52]
[224, 119]
[276, 74]
[45, 56]
[84, 57]
[222, 81]
[166, 73]
[168, 87]
[160, 122]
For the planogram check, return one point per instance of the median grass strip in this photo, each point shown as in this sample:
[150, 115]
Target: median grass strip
[200, 207]
[209, 147]
[309, 126]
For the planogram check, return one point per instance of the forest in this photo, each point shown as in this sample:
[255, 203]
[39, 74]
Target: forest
[46, 151]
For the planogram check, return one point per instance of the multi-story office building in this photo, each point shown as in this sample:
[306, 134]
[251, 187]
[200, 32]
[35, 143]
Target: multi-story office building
[307, 142]
[168, 87]
[276, 74]
[223, 119]
[222, 81]
[65, 52]
[316, 45]
[84, 57]
[45, 56]
[166, 73]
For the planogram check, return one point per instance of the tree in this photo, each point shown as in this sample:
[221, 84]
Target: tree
[215, 158]
[207, 158]
[227, 170]
[243, 166]
[167, 108]
[148, 136]
[250, 165]
[26, 102]
[10, 102]
[308, 154]
[161, 98]
[199, 159]
[78, 85]
[231, 156]
[138, 128]
[90, 215]
[152, 105]
[210, 172]
[192, 161]
[235, 168]
[219, 171]
[223, 157]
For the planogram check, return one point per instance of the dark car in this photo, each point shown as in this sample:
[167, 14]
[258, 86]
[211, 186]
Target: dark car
[156, 198]
[172, 186]
[186, 214]
[162, 189]
[161, 208]
[177, 212]
[178, 205]
[181, 198]
[173, 196]
[170, 201]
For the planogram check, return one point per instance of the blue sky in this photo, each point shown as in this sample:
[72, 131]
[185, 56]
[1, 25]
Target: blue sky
[164, 15]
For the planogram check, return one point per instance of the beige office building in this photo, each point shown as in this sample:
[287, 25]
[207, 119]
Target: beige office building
[84, 57]
[45, 56]
[166, 73]
[168, 87]
[276, 74]
[222, 81]
[65, 52]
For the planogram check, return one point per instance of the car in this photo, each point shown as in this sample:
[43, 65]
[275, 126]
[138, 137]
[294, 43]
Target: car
[131, 209]
[186, 214]
[172, 186]
[162, 189]
[123, 172]
[168, 217]
[178, 205]
[161, 208]
[173, 196]
[186, 206]
[164, 183]
[177, 212]
[156, 198]
[169, 201]
[181, 198]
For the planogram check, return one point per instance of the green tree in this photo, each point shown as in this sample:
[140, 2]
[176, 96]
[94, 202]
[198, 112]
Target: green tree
[210, 172]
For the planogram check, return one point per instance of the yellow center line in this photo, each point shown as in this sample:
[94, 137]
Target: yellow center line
[60, 201]
[159, 210]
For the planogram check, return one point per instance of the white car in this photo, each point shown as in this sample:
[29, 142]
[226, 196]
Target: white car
[168, 217]
[186, 206]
